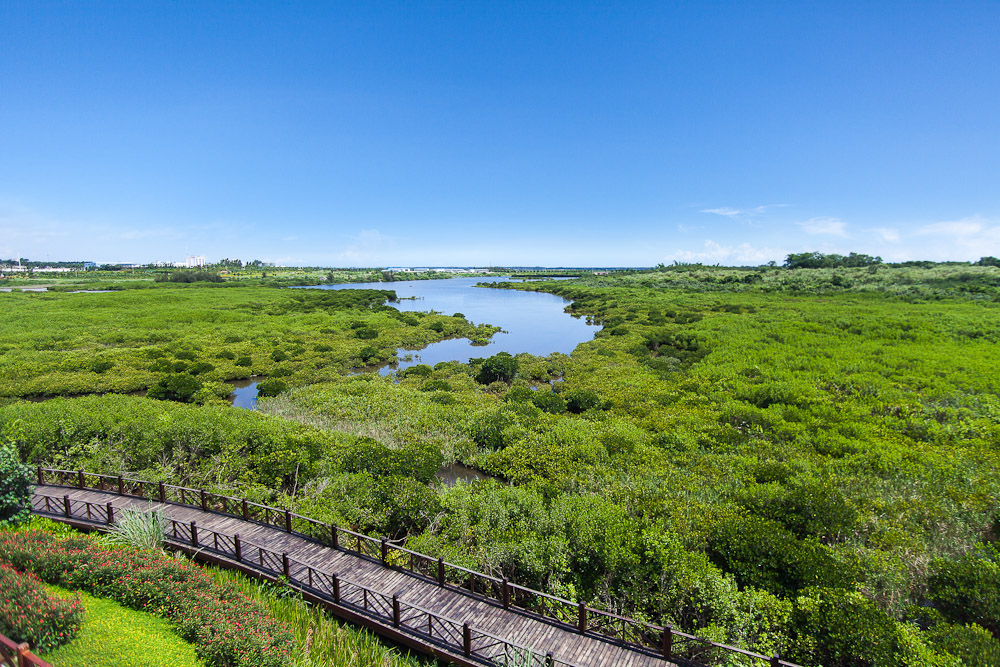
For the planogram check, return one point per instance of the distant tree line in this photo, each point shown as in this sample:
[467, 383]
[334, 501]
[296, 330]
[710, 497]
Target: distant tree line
[188, 277]
[817, 260]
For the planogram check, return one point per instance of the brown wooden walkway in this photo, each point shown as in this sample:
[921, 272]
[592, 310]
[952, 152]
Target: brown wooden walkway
[456, 614]
[521, 629]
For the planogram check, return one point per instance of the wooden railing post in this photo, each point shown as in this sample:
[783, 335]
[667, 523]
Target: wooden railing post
[121, 485]
[41, 476]
[79, 479]
[286, 567]
[334, 537]
[163, 492]
[288, 521]
[22, 655]
[336, 588]
[111, 514]
[194, 534]
[204, 501]
[66, 506]
[582, 618]
[472, 583]
[667, 642]
[505, 595]
[467, 639]
[775, 661]
[238, 547]
[246, 510]
[395, 611]
[440, 571]
[550, 660]
[384, 551]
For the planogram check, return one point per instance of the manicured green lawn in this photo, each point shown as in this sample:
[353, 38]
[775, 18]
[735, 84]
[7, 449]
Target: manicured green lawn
[114, 636]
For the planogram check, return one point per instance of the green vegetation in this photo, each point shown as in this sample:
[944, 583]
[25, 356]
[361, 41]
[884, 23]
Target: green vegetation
[29, 614]
[142, 529]
[320, 640]
[15, 486]
[802, 461]
[112, 635]
[227, 629]
[182, 343]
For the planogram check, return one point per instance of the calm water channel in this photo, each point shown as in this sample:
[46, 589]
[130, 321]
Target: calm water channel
[532, 322]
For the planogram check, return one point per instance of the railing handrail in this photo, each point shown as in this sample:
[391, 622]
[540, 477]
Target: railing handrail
[571, 607]
[287, 563]
[13, 654]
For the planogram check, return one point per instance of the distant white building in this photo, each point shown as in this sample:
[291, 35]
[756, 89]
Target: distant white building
[192, 261]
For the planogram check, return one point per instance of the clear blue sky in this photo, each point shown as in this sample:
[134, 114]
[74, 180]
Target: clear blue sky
[574, 133]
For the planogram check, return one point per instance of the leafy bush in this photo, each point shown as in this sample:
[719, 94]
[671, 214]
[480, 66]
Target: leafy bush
[581, 400]
[549, 401]
[15, 487]
[228, 629]
[841, 628]
[967, 589]
[501, 367]
[271, 387]
[417, 461]
[29, 614]
[973, 644]
[175, 387]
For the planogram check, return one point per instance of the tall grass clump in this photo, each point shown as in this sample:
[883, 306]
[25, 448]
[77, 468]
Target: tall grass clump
[142, 529]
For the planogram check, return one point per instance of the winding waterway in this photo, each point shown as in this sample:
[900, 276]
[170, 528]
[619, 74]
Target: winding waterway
[532, 322]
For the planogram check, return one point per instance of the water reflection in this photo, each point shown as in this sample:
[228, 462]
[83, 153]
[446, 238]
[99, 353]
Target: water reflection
[532, 322]
[244, 393]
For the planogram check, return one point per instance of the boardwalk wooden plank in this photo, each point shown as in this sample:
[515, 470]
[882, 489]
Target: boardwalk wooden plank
[486, 615]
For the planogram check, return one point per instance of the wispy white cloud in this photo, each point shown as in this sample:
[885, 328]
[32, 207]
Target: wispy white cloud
[976, 233]
[742, 254]
[681, 227]
[368, 246]
[886, 233]
[728, 212]
[736, 213]
[824, 226]
[957, 228]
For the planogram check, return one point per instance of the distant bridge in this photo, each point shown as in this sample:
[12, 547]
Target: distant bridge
[434, 607]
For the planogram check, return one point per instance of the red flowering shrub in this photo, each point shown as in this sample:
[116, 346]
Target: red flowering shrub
[227, 628]
[29, 614]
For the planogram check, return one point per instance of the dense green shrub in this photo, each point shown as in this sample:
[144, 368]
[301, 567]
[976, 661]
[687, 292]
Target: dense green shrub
[967, 589]
[973, 644]
[15, 486]
[175, 387]
[228, 629]
[549, 401]
[501, 367]
[418, 461]
[29, 614]
[841, 628]
[581, 400]
[271, 387]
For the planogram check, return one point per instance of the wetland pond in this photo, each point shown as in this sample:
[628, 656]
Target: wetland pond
[532, 322]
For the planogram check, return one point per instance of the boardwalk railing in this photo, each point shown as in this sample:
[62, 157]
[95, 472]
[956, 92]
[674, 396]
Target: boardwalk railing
[18, 655]
[430, 627]
[647, 637]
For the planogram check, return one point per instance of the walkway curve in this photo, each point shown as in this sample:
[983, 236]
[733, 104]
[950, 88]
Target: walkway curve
[427, 604]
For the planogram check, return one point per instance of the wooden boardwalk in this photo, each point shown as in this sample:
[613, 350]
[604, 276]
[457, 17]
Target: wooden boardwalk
[401, 605]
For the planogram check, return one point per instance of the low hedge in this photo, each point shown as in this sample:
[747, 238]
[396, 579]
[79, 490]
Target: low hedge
[29, 614]
[227, 628]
